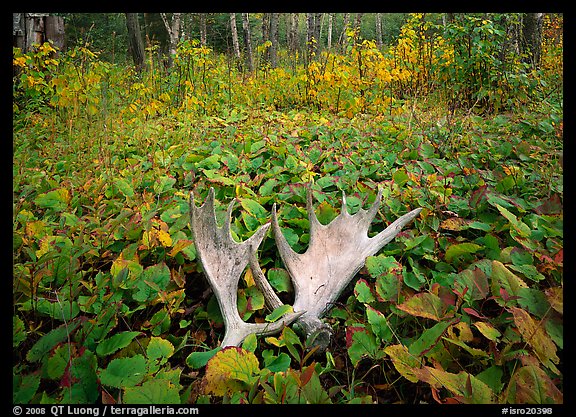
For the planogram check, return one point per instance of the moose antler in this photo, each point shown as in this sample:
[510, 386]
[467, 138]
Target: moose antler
[335, 254]
[223, 261]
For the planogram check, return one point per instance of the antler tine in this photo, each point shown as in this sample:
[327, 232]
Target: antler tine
[223, 261]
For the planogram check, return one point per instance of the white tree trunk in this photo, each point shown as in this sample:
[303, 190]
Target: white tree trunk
[173, 29]
[234, 30]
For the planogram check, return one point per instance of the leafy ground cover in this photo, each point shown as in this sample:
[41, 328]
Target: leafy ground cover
[110, 305]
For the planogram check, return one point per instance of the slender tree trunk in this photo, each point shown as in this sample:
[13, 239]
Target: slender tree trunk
[293, 33]
[313, 32]
[202, 29]
[274, 39]
[317, 27]
[379, 42]
[234, 30]
[343, 37]
[330, 21]
[358, 27]
[247, 41]
[173, 29]
[136, 45]
[266, 17]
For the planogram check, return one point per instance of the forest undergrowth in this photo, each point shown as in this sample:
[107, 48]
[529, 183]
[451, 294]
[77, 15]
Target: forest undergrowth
[463, 306]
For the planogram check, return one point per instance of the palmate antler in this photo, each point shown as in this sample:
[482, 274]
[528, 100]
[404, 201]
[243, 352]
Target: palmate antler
[223, 261]
[335, 254]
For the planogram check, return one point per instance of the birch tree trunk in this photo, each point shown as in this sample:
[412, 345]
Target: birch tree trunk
[343, 37]
[234, 31]
[293, 33]
[330, 20]
[274, 39]
[248, 42]
[173, 29]
[136, 44]
[202, 29]
[379, 42]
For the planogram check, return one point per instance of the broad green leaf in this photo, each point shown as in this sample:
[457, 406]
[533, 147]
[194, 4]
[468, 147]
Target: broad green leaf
[124, 372]
[63, 310]
[493, 378]
[230, 370]
[521, 228]
[58, 361]
[475, 352]
[460, 249]
[24, 387]
[388, 287]
[364, 343]
[154, 391]
[534, 333]
[210, 163]
[254, 208]
[124, 187]
[250, 343]
[382, 264]
[279, 312]
[279, 363]
[197, 360]
[400, 177]
[503, 278]
[279, 279]
[428, 339]
[534, 301]
[529, 271]
[157, 352]
[326, 213]
[18, 331]
[164, 184]
[362, 292]
[45, 344]
[217, 177]
[379, 324]
[156, 275]
[85, 387]
[56, 199]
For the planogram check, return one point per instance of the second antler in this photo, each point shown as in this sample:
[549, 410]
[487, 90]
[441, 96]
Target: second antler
[336, 252]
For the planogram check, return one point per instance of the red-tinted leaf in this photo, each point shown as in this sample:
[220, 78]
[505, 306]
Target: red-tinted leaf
[553, 205]
[473, 312]
[307, 374]
[350, 330]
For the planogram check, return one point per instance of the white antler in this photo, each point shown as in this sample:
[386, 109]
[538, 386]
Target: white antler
[223, 261]
[335, 254]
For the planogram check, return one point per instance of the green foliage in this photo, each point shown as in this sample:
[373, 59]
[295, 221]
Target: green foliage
[109, 302]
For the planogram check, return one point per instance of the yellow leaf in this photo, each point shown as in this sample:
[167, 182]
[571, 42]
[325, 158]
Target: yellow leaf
[230, 370]
[535, 335]
[164, 238]
[489, 331]
[404, 362]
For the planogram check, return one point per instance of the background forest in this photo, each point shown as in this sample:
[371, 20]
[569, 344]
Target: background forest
[116, 121]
